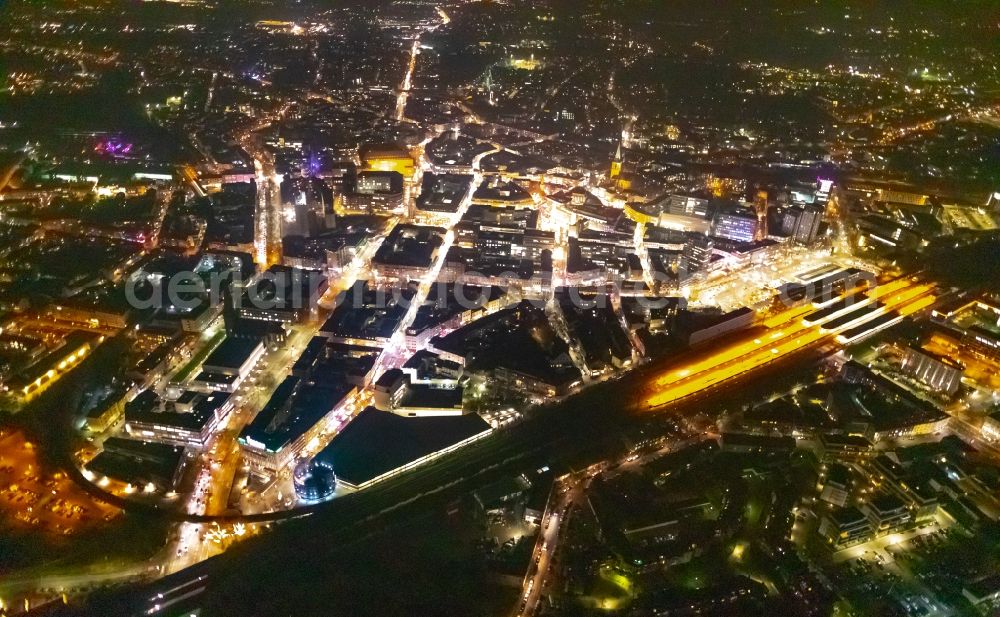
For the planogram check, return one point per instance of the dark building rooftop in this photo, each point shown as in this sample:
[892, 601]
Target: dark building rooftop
[231, 354]
[363, 314]
[139, 462]
[293, 409]
[409, 245]
[443, 192]
[377, 442]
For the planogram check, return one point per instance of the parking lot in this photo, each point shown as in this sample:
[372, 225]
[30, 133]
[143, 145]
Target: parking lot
[32, 497]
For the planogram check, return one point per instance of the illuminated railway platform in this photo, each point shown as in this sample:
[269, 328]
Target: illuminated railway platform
[778, 337]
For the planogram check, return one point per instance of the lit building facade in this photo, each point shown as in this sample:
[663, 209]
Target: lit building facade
[738, 226]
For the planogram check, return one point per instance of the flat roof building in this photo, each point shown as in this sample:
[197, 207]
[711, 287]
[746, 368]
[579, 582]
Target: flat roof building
[375, 192]
[188, 421]
[284, 294]
[408, 252]
[515, 357]
[443, 192]
[231, 362]
[396, 392]
[292, 417]
[887, 513]
[502, 194]
[846, 526]
[367, 315]
[360, 457]
[140, 463]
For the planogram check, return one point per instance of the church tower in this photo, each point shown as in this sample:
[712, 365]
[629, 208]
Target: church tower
[616, 163]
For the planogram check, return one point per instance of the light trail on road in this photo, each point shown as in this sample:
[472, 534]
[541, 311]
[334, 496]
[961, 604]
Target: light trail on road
[404, 88]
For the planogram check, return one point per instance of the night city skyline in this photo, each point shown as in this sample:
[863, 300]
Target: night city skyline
[499, 308]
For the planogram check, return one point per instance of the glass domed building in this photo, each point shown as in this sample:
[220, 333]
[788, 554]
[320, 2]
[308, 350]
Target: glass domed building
[314, 481]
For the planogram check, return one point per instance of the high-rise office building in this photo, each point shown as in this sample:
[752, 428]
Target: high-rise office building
[697, 255]
[802, 223]
[760, 206]
[808, 227]
[738, 225]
